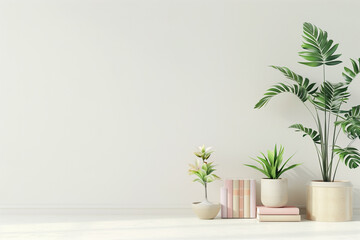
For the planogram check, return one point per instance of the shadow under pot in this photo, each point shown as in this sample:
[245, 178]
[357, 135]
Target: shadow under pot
[274, 192]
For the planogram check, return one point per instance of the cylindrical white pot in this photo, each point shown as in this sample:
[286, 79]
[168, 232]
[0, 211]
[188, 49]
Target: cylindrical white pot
[329, 201]
[274, 192]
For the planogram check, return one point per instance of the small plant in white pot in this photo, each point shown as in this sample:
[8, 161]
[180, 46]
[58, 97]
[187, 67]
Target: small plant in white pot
[327, 199]
[204, 172]
[273, 188]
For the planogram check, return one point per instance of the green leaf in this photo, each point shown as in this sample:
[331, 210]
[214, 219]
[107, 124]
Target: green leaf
[318, 49]
[350, 74]
[264, 172]
[331, 96]
[349, 155]
[351, 122]
[282, 167]
[314, 135]
[297, 90]
[304, 82]
[288, 168]
[333, 63]
[199, 180]
[271, 163]
[312, 64]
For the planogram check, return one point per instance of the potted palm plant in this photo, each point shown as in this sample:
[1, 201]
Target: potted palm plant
[204, 172]
[327, 199]
[273, 188]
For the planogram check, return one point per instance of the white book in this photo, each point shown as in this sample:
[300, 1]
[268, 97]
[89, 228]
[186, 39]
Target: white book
[279, 218]
[223, 202]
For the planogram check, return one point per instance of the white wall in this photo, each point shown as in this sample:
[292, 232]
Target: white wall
[102, 103]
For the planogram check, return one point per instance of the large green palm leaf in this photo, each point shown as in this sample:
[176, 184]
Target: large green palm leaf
[331, 96]
[349, 155]
[304, 82]
[318, 50]
[351, 123]
[276, 89]
[350, 74]
[313, 134]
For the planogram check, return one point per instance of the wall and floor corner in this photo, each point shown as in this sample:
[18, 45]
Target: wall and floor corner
[103, 102]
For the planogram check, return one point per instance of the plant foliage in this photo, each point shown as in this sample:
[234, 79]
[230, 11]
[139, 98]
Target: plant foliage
[270, 165]
[203, 170]
[324, 102]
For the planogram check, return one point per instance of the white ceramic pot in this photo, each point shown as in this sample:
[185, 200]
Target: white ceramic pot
[274, 192]
[329, 201]
[206, 210]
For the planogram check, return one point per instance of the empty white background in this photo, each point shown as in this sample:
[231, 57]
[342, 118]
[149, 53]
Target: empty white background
[102, 103]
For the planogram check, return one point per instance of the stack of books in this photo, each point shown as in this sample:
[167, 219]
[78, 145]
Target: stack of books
[283, 214]
[238, 199]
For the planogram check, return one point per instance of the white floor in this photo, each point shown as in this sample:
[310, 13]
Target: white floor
[158, 224]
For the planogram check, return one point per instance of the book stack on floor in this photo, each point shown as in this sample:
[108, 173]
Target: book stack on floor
[238, 199]
[282, 214]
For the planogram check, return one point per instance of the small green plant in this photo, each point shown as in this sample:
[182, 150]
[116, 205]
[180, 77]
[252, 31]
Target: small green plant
[271, 164]
[203, 169]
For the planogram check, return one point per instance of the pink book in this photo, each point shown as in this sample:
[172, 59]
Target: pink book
[287, 210]
[241, 204]
[229, 186]
[223, 202]
[252, 198]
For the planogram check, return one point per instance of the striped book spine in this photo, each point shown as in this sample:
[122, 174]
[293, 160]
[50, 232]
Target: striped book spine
[246, 198]
[229, 186]
[236, 199]
[252, 198]
[241, 197]
[223, 202]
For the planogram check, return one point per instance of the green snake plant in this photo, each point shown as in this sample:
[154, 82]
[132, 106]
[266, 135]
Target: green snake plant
[325, 103]
[271, 164]
[203, 169]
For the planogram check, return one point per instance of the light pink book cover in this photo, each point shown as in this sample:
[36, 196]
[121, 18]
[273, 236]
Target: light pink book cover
[236, 199]
[246, 198]
[241, 204]
[287, 210]
[223, 202]
[252, 198]
[229, 186]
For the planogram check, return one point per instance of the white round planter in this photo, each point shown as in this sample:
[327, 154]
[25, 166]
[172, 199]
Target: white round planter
[329, 201]
[274, 192]
[206, 210]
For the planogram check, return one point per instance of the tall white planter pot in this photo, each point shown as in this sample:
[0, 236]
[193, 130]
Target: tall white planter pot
[274, 192]
[329, 201]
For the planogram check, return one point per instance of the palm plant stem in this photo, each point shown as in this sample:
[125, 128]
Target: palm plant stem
[328, 132]
[322, 142]
[318, 156]
[312, 114]
[325, 145]
[317, 150]
[337, 164]
[339, 161]
[334, 139]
